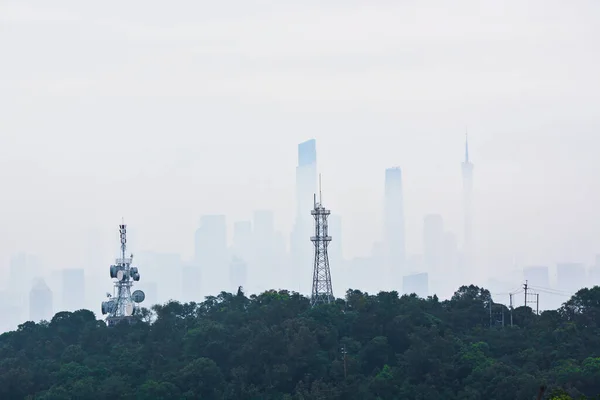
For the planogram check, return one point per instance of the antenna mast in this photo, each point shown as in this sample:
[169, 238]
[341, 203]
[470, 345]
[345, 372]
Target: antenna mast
[322, 292]
[122, 304]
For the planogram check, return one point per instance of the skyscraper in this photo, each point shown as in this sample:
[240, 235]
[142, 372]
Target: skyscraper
[211, 252]
[433, 244]
[335, 252]
[265, 265]
[570, 277]
[595, 272]
[40, 302]
[300, 246]
[537, 276]
[467, 173]
[394, 238]
[242, 240]
[151, 291]
[165, 268]
[191, 283]
[306, 178]
[237, 274]
[73, 288]
[417, 284]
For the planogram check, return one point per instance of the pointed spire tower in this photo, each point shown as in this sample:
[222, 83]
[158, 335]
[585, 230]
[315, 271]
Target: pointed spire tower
[467, 173]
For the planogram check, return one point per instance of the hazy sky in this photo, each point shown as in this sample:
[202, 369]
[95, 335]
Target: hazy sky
[162, 112]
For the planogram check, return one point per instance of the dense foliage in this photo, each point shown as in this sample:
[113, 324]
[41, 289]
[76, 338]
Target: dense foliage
[275, 346]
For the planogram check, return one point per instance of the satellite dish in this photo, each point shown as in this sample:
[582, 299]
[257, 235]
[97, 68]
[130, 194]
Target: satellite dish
[108, 306]
[138, 296]
[121, 275]
[129, 309]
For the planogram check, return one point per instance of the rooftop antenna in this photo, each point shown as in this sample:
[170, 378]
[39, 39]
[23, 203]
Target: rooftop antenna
[320, 193]
[466, 145]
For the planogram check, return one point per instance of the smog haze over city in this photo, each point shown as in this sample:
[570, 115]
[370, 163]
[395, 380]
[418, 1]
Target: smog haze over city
[185, 121]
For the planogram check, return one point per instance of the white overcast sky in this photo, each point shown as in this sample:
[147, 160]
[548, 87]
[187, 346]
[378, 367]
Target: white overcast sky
[162, 111]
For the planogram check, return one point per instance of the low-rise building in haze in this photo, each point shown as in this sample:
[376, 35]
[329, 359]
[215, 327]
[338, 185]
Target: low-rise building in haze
[417, 284]
[40, 302]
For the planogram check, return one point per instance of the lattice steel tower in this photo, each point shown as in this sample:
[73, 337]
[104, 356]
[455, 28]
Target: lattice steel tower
[122, 303]
[322, 292]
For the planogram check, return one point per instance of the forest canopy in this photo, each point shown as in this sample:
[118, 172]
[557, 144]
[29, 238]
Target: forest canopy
[276, 346]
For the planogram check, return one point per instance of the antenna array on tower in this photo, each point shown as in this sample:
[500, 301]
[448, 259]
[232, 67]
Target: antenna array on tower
[122, 304]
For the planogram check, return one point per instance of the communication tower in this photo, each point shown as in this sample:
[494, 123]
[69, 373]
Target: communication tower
[122, 304]
[322, 292]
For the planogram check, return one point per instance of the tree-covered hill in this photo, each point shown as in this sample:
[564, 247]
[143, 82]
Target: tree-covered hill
[275, 346]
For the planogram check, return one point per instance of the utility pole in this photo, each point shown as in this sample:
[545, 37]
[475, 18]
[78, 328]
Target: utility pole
[537, 306]
[525, 288]
[511, 310]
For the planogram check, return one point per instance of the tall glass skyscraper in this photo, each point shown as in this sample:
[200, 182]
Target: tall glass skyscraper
[394, 235]
[211, 253]
[301, 247]
[467, 173]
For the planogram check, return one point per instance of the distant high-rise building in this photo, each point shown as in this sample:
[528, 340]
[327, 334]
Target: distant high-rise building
[237, 274]
[151, 291]
[73, 288]
[264, 224]
[570, 277]
[191, 288]
[306, 177]
[359, 275]
[417, 284]
[23, 269]
[10, 312]
[595, 272]
[433, 244]
[336, 257]
[265, 263]
[98, 256]
[394, 236]
[40, 302]
[301, 247]
[537, 276]
[451, 255]
[242, 240]
[377, 263]
[211, 253]
[165, 268]
[280, 262]
[467, 173]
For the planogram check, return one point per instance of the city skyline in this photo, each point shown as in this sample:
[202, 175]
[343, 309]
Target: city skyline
[201, 126]
[163, 117]
[257, 253]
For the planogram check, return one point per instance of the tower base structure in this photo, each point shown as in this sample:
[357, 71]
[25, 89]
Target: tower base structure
[113, 321]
